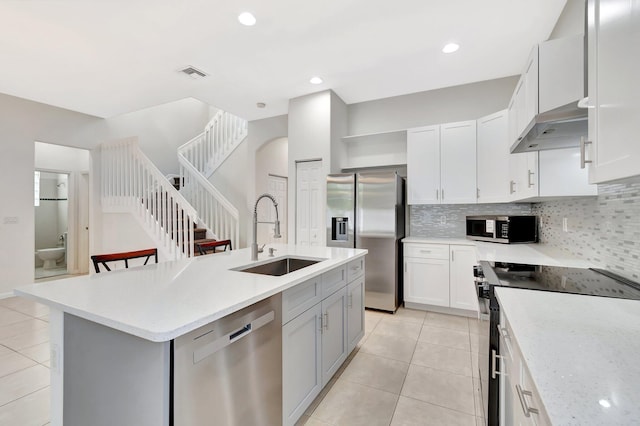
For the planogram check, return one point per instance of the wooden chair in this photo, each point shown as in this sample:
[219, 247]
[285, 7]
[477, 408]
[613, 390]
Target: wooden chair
[213, 245]
[114, 257]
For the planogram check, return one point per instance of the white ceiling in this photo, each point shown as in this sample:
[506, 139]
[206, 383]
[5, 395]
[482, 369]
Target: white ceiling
[108, 57]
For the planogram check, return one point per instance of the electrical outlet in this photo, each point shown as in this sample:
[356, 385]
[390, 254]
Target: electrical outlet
[565, 224]
[443, 220]
[10, 220]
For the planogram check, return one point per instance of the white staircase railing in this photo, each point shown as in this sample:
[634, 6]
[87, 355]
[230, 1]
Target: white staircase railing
[132, 183]
[198, 159]
[221, 136]
[214, 210]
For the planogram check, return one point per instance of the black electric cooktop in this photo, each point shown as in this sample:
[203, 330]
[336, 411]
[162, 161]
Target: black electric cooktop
[595, 282]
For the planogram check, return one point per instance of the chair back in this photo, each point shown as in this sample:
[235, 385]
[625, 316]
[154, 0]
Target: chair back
[126, 256]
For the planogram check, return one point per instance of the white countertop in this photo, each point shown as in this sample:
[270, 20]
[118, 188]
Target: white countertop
[163, 301]
[536, 254]
[580, 350]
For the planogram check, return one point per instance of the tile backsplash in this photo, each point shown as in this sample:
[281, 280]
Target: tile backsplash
[604, 229]
[449, 220]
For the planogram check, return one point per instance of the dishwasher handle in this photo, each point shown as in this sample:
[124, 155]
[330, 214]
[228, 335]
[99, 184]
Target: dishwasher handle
[223, 341]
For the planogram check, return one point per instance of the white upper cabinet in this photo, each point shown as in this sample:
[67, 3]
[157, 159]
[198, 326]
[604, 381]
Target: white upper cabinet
[441, 164]
[614, 92]
[493, 156]
[423, 165]
[561, 175]
[458, 163]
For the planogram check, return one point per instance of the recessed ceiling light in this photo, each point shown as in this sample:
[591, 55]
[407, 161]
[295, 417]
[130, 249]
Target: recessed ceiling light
[247, 19]
[315, 80]
[450, 48]
[261, 104]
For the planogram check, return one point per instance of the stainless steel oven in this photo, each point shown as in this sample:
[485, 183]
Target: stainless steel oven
[503, 229]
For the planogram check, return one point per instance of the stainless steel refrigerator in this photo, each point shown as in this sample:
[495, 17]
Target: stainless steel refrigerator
[366, 210]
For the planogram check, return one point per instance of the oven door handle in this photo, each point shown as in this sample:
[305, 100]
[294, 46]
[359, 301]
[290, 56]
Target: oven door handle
[494, 361]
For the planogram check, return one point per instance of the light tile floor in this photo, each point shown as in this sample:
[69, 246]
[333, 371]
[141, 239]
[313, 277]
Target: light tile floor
[411, 368]
[24, 362]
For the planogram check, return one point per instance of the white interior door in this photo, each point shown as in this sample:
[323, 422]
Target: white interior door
[83, 224]
[310, 183]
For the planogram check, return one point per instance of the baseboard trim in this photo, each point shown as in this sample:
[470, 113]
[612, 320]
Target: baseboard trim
[441, 309]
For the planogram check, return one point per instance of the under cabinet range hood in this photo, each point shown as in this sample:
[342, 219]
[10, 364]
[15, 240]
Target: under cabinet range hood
[555, 85]
[560, 128]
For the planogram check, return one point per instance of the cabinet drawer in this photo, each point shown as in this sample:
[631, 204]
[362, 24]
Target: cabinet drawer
[427, 251]
[355, 269]
[334, 280]
[298, 299]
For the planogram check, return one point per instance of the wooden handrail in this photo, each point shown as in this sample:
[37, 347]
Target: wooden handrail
[126, 256]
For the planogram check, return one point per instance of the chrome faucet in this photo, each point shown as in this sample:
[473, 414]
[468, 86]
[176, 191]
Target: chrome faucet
[276, 229]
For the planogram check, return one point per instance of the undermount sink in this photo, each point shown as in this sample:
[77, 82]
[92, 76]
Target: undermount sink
[279, 267]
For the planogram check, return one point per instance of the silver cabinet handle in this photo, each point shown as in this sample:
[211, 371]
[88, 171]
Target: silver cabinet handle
[453, 255]
[529, 174]
[442, 190]
[425, 251]
[583, 152]
[511, 185]
[494, 361]
[326, 321]
[437, 195]
[321, 323]
[351, 300]
[523, 401]
[477, 193]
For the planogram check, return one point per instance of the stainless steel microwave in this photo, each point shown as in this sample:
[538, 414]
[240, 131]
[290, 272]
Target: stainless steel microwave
[503, 229]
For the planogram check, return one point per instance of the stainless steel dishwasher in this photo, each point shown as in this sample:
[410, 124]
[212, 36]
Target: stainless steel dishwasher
[229, 372]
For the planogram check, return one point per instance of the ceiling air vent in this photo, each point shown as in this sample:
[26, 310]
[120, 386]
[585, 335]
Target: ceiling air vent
[193, 72]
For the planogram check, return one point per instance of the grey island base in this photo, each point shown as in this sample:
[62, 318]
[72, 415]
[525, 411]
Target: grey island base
[199, 342]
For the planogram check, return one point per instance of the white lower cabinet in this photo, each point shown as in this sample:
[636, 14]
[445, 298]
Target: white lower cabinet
[317, 341]
[301, 361]
[520, 403]
[426, 281]
[334, 333]
[440, 275]
[462, 289]
[355, 313]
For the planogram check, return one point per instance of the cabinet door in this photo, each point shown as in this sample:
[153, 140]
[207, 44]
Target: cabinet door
[524, 174]
[458, 163]
[530, 89]
[301, 363]
[561, 175]
[423, 165]
[462, 289]
[493, 158]
[614, 67]
[426, 281]
[334, 333]
[355, 313]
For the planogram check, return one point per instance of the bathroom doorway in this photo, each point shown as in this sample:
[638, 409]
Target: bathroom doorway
[62, 178]
[51, 201]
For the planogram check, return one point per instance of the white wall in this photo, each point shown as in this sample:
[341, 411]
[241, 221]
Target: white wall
[309, 139]
[236, 177]
[22, 122]
[459, 103]
[571, 20]
[271, 159]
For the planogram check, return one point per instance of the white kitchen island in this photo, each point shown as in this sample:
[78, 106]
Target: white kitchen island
[148, 307]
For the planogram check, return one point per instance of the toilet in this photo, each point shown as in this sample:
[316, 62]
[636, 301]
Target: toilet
[51, 256]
